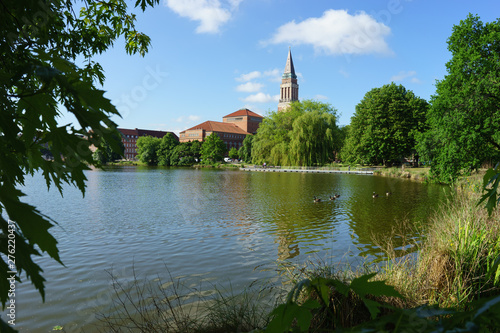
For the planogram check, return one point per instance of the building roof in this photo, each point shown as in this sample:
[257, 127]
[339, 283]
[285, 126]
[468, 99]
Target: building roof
[217, 126]
[143, 132]
[289, 69]
[243, 112]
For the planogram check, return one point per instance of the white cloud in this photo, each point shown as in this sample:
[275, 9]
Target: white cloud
[320, 97]
[188, 119]
[261, 98]
[272, 72]
[249, 76]
[274, 75]
[403, 75]
[211, 14]
[249, 87]
[344, 73]
[336, 32]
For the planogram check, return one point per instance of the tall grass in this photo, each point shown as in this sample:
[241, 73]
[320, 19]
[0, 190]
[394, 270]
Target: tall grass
[457, 261]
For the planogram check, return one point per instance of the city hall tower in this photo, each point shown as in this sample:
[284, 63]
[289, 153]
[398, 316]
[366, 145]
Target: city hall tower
[289, 89]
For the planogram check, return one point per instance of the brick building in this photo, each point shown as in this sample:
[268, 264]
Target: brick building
[232, 130]
[245, 119]
[231, 134]
[130, 136]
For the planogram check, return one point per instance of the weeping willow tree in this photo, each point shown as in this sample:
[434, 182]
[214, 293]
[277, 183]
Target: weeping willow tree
[306, 134]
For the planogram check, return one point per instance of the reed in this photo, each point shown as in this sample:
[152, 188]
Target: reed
[457, 261]
[144, 305]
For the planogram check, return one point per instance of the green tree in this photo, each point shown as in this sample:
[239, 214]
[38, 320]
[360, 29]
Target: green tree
[343, 131]
[464, 118]
[245, 151]
[233, 153]
[106, 154]
[147, 149]
[384, 126]
[40, 79]
[196, 150]
[165, 148]
[306, 134]
[186, 153]
[213, 149]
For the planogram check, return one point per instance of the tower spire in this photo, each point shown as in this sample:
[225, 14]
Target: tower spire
[289, 89]
[289, 69]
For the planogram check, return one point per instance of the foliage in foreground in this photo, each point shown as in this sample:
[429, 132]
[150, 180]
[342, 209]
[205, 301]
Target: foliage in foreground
[491, 181]
[39, 79]
[106, 154]
[329, 301]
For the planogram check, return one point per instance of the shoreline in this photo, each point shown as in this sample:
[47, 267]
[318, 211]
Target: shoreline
[270, 169]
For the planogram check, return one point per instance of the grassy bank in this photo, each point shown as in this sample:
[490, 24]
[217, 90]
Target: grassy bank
[126, 163]
[456, 262]
[417, 174]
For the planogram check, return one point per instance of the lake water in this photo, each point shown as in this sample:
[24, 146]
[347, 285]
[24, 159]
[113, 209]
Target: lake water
[206, 226]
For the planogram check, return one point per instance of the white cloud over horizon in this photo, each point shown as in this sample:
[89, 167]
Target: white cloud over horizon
[187, 119]
[249, 87]
[249, 76]
[261, 98]
[211, 14]
[336, 32]
[403, 75]
[320, 97]
[252, 84]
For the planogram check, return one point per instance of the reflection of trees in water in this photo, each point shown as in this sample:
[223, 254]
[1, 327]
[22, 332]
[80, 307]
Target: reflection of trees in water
[394, 221]
[287, 210]
[248, 204]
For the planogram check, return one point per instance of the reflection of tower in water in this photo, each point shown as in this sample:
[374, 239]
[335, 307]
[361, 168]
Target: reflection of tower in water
[288, 248]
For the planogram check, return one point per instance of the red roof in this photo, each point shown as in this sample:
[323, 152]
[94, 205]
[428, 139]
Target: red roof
[216, 126]
[142, 132]
[244, 112]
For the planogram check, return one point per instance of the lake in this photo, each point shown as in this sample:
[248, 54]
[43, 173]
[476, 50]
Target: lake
[206, 226]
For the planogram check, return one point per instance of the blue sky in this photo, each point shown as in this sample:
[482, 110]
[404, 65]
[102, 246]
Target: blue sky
[212, 57]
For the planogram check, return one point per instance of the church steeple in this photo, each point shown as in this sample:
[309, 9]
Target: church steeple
[289, 88]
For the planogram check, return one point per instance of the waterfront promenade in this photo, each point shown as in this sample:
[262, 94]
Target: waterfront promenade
[305, 170]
